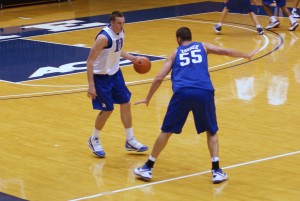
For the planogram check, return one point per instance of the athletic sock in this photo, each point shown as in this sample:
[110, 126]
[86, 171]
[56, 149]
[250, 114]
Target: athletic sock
[96, 133]
[215, 165]
[150, 162]
[129, 133]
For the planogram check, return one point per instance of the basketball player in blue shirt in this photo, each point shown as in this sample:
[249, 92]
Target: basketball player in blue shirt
[192, 91]
[106, 83]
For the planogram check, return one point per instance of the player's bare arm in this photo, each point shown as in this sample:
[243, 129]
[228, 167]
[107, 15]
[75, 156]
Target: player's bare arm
[213, 49]
[127, 56]
[98, 46]
[158, 79]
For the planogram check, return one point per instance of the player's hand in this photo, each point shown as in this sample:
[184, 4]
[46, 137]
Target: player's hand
[91, 93]
[145, 101]
[252, 53]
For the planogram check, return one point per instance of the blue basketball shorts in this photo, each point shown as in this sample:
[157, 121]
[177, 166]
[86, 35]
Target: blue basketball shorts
[279, 3]
[110, 89]
[200, 102]
[239, 6]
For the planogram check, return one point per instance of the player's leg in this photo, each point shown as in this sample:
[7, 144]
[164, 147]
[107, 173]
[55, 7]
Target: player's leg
[145, 172]
[174, 121]
[204, 111]
[103, 102]
[218, 175]
[94, 140]
[293, 21]
[294, 11]
[131, 143]
[286, 12]
[254, 19]
[274, 22]
[218, 27]
[121, 95]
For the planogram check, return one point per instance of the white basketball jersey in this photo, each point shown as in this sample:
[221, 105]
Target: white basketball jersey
[108, 60]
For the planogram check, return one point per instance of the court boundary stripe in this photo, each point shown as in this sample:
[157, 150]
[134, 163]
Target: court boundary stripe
[61, 92]
[185, 176]
[19, 96]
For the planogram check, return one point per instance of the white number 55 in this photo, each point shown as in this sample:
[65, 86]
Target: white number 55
[186, 60]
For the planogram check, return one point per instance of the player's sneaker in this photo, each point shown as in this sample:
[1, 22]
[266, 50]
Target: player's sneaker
[217, 28]
[260, 31]
[94, 144]
[293, 26]
[273, 25]
[218, 176]
[144, 172]
[134, 145]
[295, 14]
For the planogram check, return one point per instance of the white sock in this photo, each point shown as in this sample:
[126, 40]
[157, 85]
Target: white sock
[273, 19]
[292, 19]
[258, 26]
[294, 10]
[220, 24]
[129, 133]
[151, 158]
[96, 133]
[214, 159]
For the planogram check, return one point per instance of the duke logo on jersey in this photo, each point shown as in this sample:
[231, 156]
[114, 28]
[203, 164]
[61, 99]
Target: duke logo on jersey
[119, 44]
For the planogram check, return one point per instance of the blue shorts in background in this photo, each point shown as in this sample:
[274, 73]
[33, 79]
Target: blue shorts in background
[279, 3]
[239, 6]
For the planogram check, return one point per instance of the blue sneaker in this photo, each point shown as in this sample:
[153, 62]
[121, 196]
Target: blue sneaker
[94, 144]
[217, 28]
[134, 145]
[144, 172]
[218, 176]
[260, 31]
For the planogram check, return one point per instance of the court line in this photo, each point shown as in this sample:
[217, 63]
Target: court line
[240, 27]
[41, 94]
[139, 81]
[183, 177]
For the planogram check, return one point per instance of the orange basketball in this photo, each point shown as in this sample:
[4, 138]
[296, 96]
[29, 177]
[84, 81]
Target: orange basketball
[142, 65]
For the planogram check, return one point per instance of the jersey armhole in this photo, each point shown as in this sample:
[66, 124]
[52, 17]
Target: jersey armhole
[109, 42]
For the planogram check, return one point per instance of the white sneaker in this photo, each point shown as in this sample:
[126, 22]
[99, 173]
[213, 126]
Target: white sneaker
[218, 176]
[293, 26]
[273, 25]
[134, 145]
[144, 172]
[295, 14]
[94, 144]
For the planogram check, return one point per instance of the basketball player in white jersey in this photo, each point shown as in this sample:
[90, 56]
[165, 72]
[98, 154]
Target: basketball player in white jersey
[106, 83]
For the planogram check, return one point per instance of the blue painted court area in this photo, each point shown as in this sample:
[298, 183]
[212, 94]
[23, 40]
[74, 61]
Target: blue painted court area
[5, 197]
[24, 60]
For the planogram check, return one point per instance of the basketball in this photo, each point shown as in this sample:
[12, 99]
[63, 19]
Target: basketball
[142, 65]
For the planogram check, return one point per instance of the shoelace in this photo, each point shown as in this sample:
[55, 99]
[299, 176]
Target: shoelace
[97, 145]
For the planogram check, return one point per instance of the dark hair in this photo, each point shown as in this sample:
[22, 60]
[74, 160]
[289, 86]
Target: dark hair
[115, 14]
[184, 34]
